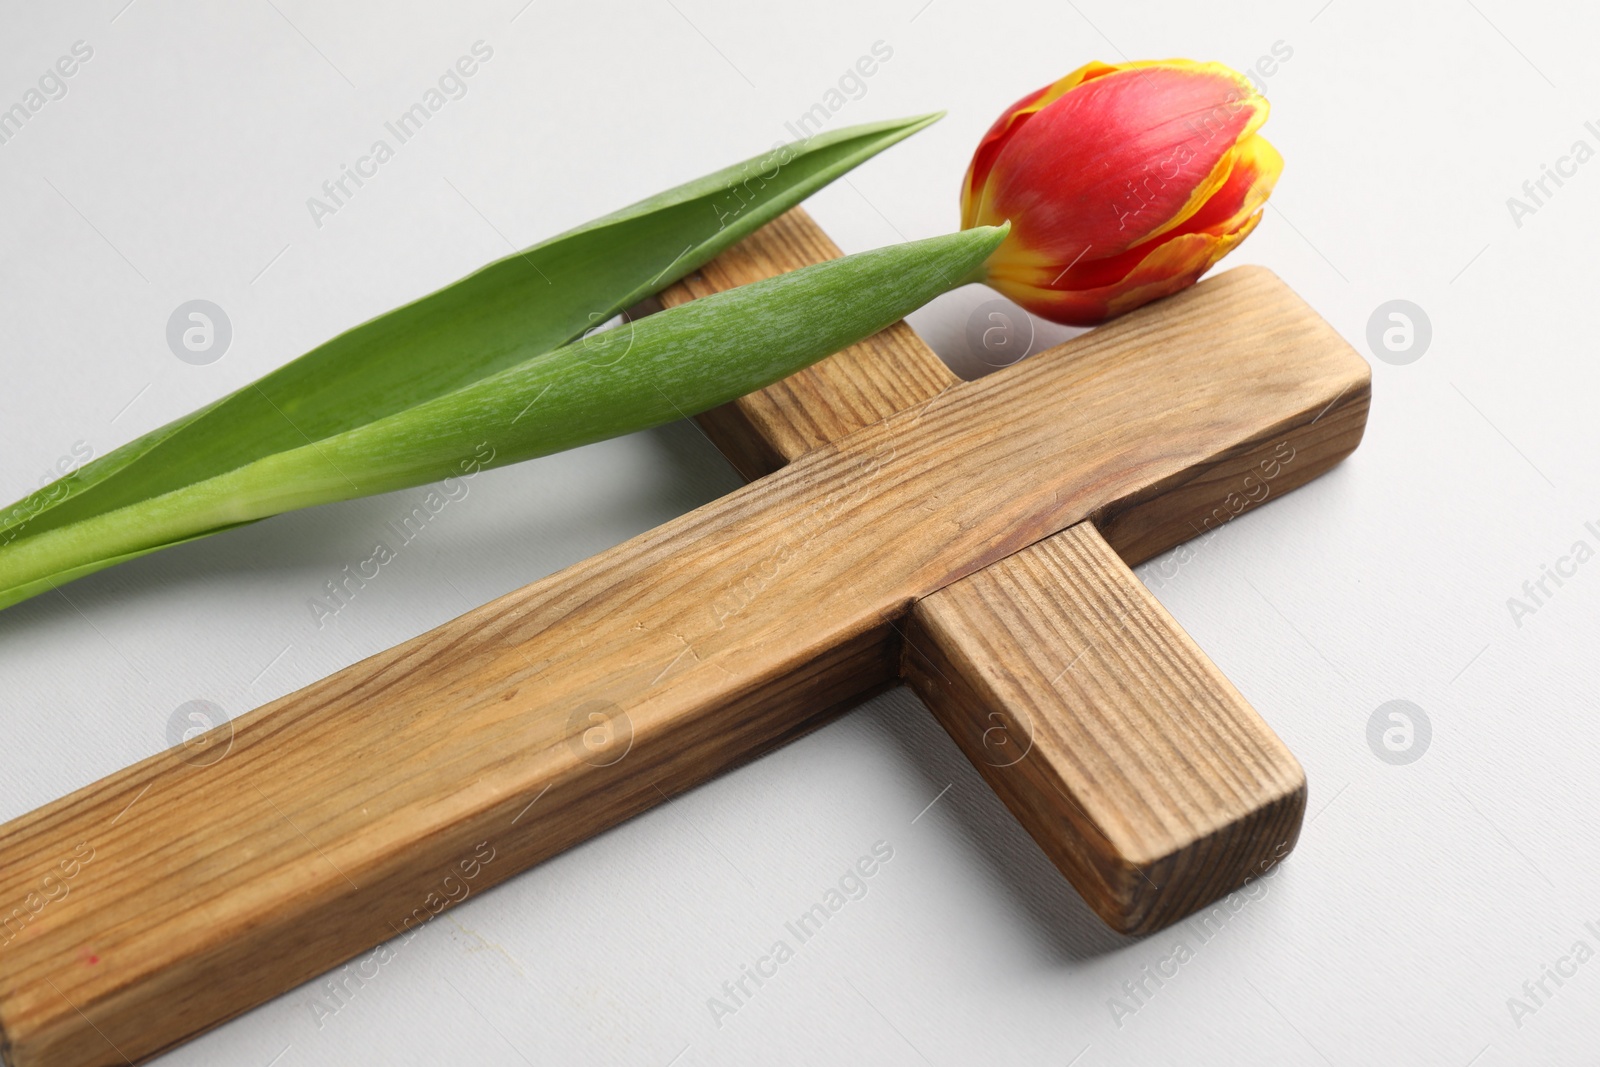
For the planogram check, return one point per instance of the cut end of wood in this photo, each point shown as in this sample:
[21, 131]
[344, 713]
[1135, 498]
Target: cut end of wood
[1204, 871]
[1137, 767]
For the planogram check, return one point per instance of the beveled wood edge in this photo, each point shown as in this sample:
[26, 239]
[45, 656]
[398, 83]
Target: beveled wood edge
[1203, 499]
[1165, 516]
[1133, 890]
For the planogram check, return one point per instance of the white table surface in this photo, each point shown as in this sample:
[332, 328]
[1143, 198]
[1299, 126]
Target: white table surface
[1422, 896]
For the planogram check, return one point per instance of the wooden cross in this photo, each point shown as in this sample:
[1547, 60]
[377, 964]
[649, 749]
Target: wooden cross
[970, 538]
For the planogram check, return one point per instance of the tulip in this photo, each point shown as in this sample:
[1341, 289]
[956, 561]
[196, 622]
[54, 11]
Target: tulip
[1122, 183]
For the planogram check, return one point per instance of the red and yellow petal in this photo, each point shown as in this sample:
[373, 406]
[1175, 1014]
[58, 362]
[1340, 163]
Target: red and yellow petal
[1127, 154]
[1123, 184]
[1165, 269]
[1256, 168]
[1013, 116]
[1253, 170]
[1177, 264]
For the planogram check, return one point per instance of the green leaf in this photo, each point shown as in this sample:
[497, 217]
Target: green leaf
[642, 374]
[527, 303]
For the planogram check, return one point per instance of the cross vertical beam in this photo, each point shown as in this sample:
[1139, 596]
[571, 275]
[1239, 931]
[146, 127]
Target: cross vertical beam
[1132, 761]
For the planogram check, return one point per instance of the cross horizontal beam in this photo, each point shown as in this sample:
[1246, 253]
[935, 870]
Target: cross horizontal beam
[362, 805]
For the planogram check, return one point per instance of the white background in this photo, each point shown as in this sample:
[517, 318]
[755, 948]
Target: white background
[1421, 896]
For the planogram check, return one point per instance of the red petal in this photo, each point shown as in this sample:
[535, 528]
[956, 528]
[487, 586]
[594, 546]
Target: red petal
[1252, 170]
[1166, 267]
[1010, 119]
[1065, 177]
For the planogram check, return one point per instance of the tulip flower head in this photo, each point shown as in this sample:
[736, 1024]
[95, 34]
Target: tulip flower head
[1122, 183]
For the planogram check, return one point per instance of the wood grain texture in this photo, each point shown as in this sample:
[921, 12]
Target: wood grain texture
[977, 676]
[1143, 774]
[346, 812]
[887, 373]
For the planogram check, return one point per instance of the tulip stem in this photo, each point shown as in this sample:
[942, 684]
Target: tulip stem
[979, 275]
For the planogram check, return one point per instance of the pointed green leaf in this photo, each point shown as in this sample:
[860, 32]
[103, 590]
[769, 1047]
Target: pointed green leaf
[527, 303]
[637, 375]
